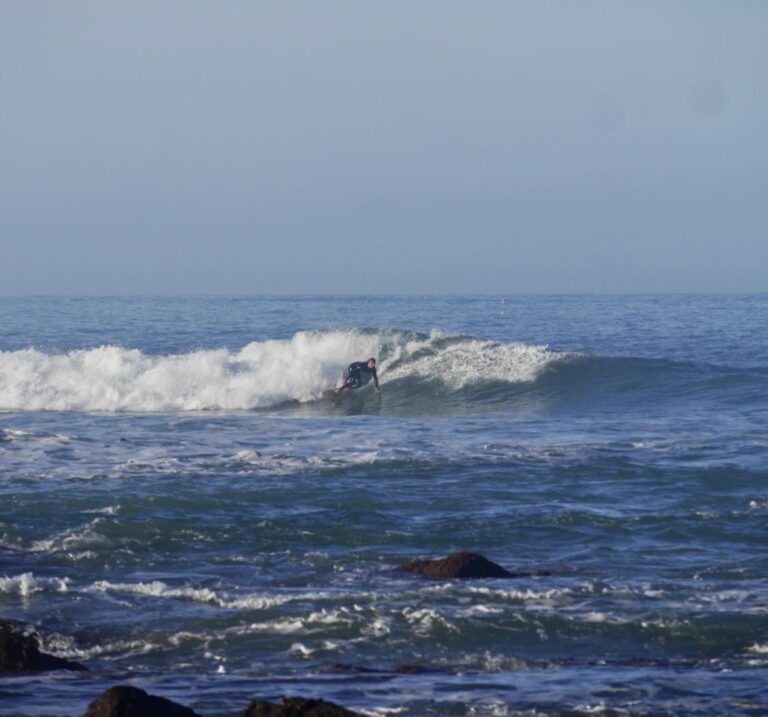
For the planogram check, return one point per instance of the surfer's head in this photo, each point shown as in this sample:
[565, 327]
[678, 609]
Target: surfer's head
[371, 362]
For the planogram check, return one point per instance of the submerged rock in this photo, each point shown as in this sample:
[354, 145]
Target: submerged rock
[411, 670]
[20, 652]
[397, 669]
[296, 707]
[345, 667]
[126, 701]
[461, 565]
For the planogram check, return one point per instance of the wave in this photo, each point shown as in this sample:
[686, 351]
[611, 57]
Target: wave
[420, 373]
[263, 374]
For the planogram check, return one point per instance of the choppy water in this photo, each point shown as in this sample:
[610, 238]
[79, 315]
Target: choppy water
[179, 509]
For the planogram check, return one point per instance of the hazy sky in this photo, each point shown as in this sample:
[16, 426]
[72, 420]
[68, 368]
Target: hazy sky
[410, 146]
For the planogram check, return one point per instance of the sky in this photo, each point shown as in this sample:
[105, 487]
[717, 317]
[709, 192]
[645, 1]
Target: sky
[409, 146]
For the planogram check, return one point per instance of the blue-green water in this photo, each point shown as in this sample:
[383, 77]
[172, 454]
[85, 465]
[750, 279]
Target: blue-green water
[180, 510]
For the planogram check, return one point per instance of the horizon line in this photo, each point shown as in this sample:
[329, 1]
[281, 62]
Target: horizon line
[284, 295]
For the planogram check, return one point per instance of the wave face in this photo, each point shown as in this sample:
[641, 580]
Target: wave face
[260, 375]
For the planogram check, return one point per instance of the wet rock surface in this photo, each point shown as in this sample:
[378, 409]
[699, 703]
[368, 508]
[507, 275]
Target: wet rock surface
[20, 652]
[126, 701]
[462, 565]
[296, 707]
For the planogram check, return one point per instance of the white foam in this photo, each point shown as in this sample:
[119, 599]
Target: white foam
[600, 709]
[157, 588]
[330, 617]
[108, 510]
[82, 555]
[297, 648]
[425, 619]
[595, 616]
[26, 584]
[11, 434]
[479, 610]
[257, 602]
[298, 624]
[378, 628]
[83, 536]
[66, 646]
[468, 361]
[253, 601]
[543, 597]
[262, 374]
[111, 378]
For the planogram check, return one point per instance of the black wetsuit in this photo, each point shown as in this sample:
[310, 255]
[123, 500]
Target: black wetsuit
[358, 374]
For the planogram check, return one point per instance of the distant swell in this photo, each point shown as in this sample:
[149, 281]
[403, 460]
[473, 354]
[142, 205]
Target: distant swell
[260, 375]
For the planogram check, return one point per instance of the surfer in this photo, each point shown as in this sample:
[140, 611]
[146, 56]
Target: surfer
[358, 374]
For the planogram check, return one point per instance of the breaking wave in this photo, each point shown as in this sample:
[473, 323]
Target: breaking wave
[260, 375]
[421, 373]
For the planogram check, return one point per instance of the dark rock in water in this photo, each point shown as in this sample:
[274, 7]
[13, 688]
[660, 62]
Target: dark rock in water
[410, 670]
[457, 565]
[20, 652]
[463, 565]
[344, 667]
[296, 707]
[125, 701]
[341, 667]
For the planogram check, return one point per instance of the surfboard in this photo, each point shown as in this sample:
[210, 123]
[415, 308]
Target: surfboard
[330, 395]
[359, 393]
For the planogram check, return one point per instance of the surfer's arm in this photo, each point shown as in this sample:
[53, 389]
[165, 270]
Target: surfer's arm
[376, 382]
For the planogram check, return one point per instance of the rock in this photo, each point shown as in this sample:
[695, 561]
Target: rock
[20, 652]
[296, 707]
[460, 565]
[344, 667]
[410, 670]
[126, 701]
[397, 669]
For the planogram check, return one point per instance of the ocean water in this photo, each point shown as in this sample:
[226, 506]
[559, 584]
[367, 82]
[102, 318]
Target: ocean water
[181, 511]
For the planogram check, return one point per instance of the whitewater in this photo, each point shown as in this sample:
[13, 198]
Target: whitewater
[261, 374]
[182, 511]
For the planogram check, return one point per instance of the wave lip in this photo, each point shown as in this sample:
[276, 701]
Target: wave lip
[459, 362]
[260, 375]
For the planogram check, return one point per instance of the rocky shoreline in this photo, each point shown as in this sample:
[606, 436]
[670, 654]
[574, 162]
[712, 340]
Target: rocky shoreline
[125, 701]
[20, 653]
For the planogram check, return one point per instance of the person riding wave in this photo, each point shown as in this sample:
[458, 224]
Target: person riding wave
[358, 374]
